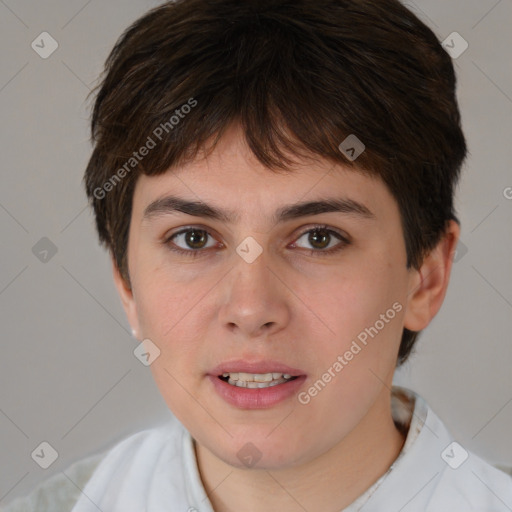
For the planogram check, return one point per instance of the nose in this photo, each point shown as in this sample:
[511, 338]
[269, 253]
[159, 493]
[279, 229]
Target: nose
[255, 302]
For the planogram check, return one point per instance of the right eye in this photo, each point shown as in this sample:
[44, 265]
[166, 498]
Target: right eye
[193, 240]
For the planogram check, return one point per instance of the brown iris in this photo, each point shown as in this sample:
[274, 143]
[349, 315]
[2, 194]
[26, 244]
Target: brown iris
[196, 238]
[317, 238]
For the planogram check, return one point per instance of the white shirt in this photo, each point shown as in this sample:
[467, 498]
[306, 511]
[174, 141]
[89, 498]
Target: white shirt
[155, 470]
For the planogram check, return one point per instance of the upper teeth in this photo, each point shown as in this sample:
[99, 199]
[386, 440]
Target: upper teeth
[257, 377]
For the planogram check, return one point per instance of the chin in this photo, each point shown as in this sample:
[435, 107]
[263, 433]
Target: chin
[259, 451]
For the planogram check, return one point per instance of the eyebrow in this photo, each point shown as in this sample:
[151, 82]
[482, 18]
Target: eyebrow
[171, 204]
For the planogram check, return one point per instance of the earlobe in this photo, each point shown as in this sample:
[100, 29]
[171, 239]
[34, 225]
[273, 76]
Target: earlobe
[127, 298]
[428, 285]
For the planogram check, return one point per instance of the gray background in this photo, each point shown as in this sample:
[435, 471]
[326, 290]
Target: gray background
[68, 375]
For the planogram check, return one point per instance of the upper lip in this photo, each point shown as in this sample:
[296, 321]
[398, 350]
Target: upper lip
[265, 366]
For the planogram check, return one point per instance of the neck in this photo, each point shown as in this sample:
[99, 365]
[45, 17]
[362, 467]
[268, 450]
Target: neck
[332, 481]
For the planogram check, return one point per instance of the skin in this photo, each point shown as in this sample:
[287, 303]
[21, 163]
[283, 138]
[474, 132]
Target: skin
[288, 305]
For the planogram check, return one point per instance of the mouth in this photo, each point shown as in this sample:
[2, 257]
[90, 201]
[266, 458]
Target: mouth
[256, 380]
[256, 384]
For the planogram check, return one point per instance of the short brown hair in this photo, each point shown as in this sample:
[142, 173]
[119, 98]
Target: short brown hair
[299, 76]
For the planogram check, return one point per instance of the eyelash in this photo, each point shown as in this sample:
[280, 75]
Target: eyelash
[344, 241]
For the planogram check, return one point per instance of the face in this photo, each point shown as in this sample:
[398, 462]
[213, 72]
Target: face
[262, 288]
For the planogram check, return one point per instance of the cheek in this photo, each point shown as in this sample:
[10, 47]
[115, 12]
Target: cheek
[165, 303]
[353, 298]
[170, 313]
[365, 312]
[363, 307]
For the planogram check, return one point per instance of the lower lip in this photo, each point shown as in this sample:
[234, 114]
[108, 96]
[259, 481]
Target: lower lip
[258, 398]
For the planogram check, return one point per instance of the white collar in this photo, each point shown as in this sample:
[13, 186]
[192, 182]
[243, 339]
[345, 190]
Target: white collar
[157, 468]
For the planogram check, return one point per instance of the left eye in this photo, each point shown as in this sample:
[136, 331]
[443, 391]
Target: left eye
[321, 238]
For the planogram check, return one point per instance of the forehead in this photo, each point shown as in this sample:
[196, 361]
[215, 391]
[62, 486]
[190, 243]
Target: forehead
[233, 181]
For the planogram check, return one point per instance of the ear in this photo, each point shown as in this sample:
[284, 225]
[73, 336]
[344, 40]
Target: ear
[127, 299]
[428, 285]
